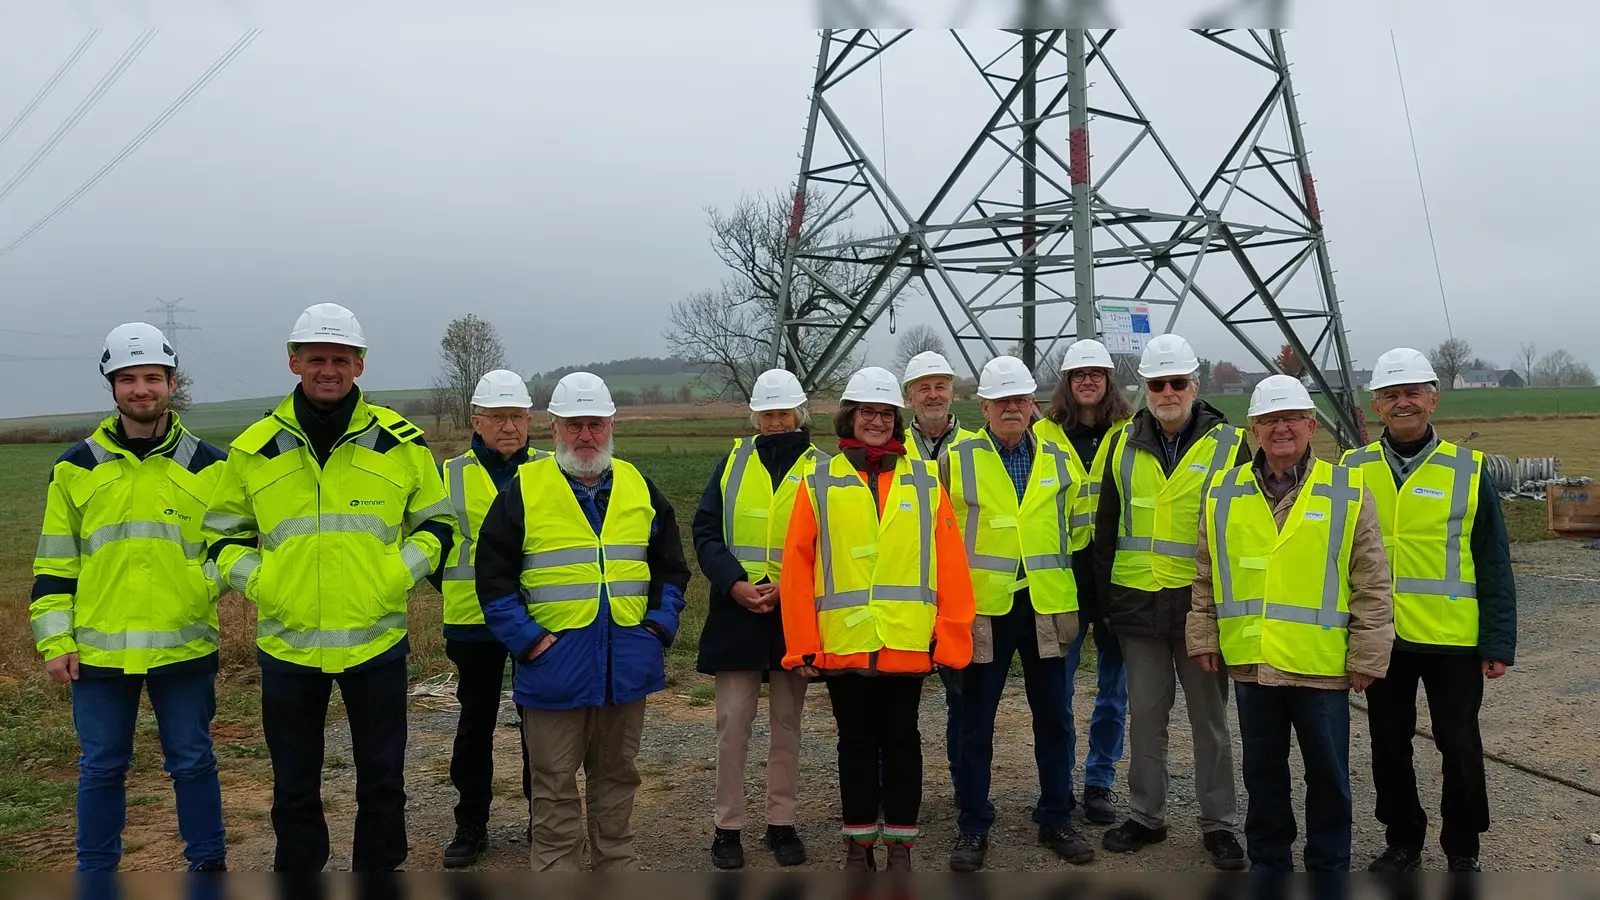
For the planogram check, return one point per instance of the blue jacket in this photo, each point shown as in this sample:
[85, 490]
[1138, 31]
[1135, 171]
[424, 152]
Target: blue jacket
[602, 662]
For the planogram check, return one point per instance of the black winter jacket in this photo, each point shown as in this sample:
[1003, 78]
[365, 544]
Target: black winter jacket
[1159, 613]
[734, 638]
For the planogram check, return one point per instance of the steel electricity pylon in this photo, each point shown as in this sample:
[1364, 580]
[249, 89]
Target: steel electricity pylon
[1027, 235]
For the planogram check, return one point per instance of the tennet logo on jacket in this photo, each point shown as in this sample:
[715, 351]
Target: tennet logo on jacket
[367, 502]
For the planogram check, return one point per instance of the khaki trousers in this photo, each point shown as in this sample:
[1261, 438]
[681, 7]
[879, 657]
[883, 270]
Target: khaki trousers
[737, 693]
[604, 740]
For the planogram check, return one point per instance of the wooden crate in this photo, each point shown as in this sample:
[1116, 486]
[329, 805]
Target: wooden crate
[1572, 508]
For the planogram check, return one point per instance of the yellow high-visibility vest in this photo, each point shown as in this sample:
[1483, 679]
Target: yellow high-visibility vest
[1003, 536]
[876, 580]
[471, 491]
[1160, 522]
[1283, 597]
[1091, 476]
[914, 452]
[564, 562]
[1427, 532]
[755, 517]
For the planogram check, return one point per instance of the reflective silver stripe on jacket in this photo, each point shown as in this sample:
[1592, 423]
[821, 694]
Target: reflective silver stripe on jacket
[416, 518]
[226, 525]
[1227, 442]
[52, 624]
[730, 502]
[1462, 467]
[1356, 458]
[1328, 615]
[1064, 524]
[1176, 549]
[57, 546]
[416, 559]
[160, 531]
[101, 455]
[969, 483]
[117, 641]
[329, 638]
[239, 575]
[330, 523]
[832, 598]
[1228, 605]
[184, 454]
[456, 471]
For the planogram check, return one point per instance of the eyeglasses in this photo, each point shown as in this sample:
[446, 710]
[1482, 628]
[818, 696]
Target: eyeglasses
[1021, 401]
[867, 415]
[501, 420]
[1277, 419]
[1178, 385]
[574, 426]
[1088, 375]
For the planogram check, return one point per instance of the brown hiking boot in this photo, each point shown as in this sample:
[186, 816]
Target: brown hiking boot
[899, 856]
[858, 857]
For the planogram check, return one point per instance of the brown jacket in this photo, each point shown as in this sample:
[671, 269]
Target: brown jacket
[1371, 600]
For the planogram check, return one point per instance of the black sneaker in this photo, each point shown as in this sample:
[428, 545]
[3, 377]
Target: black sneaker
[212, 865]
[1463, 864]
[787, 848]
[1131, 837]
[1067, 844]
[1396, 861]
[968, 853]
[471, 842]
[726, 851]
[1099, 805]
[1226, 854]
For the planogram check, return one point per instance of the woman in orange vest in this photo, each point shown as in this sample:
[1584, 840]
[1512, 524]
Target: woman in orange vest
[844, 630]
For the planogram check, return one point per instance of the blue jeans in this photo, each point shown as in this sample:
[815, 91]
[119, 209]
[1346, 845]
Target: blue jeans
[1320, 720]
[1110, 716]
[104, 711]
[1045, 683]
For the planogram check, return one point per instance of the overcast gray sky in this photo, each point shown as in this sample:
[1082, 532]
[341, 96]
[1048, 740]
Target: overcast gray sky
[553, 179]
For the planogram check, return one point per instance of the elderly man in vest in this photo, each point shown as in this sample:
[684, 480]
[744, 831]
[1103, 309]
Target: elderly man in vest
[1455, 613]
[1013, 494]
[1145, 529]
[500, 420]
[581, 575]
[1291, 593]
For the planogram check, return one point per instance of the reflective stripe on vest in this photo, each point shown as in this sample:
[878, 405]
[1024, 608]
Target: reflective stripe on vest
[1427, 532]
[1268, 623]
[330, 638]
[1152, 561]
[762, 557]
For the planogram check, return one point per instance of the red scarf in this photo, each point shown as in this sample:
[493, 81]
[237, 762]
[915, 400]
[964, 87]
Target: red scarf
[875, 455]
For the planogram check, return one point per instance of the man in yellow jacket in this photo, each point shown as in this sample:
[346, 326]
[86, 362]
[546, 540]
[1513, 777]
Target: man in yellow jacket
[327, 513]
[124, 599]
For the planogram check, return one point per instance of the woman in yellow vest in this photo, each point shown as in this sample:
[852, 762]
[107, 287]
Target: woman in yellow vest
[876, 592]
[738, 536]
[1087, 406]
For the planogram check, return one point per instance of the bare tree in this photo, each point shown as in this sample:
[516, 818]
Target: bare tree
[441, 400]
[914, 340]
[1449, 360]
[470, 348]
[1558, 368]
[727, 331]
[1527, 357]
[182, 398]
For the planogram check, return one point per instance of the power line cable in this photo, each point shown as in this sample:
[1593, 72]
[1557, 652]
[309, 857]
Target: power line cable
[1416, 160]
[133, 145]
[82, 109]
[44, 92]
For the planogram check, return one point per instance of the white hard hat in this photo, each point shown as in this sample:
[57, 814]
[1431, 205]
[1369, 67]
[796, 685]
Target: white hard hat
[776, 389]
[1402, 365]
[1279, 392]
[502, 389]
[1005, 376]
[1166, 356]
[136, 344]
[874, 385]
[581, 394]
[924, 364]
[327, 323]
[1087, 354]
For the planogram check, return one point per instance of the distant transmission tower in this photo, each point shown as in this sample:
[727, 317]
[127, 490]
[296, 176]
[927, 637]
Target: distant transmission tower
[171, 326]
[1022, 242]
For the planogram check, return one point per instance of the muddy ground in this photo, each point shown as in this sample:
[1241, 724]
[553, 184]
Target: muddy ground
[1544, 716]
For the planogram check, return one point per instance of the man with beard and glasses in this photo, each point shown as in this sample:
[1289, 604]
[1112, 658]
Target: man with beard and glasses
[581, 576]
[1146, 529]
[124, 600]
[328, 512]
[1455, 613]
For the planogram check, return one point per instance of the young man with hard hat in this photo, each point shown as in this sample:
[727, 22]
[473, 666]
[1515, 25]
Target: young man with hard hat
[1455, 613]
[500, 420]
[124, 599]
[739, 531]
[876, 592]
[929, 385]
[1085, 409]
[581, 576]
[1146, 526]
[327, 513]
[1291, 594]
[1013, 494]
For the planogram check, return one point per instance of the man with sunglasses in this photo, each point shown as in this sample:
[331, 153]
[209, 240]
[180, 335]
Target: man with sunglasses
[1147, 523]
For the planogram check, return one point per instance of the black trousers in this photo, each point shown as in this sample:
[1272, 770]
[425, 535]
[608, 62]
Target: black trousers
[481, 666]
[294, 713]
[877, 719]
[1454, 686]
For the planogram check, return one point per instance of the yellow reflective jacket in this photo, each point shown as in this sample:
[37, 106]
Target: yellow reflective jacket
[1089, 476]
[914, 449]
[340, 545]
[1160, 518]
[121, 576]
[471, 492]
[755, 517]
